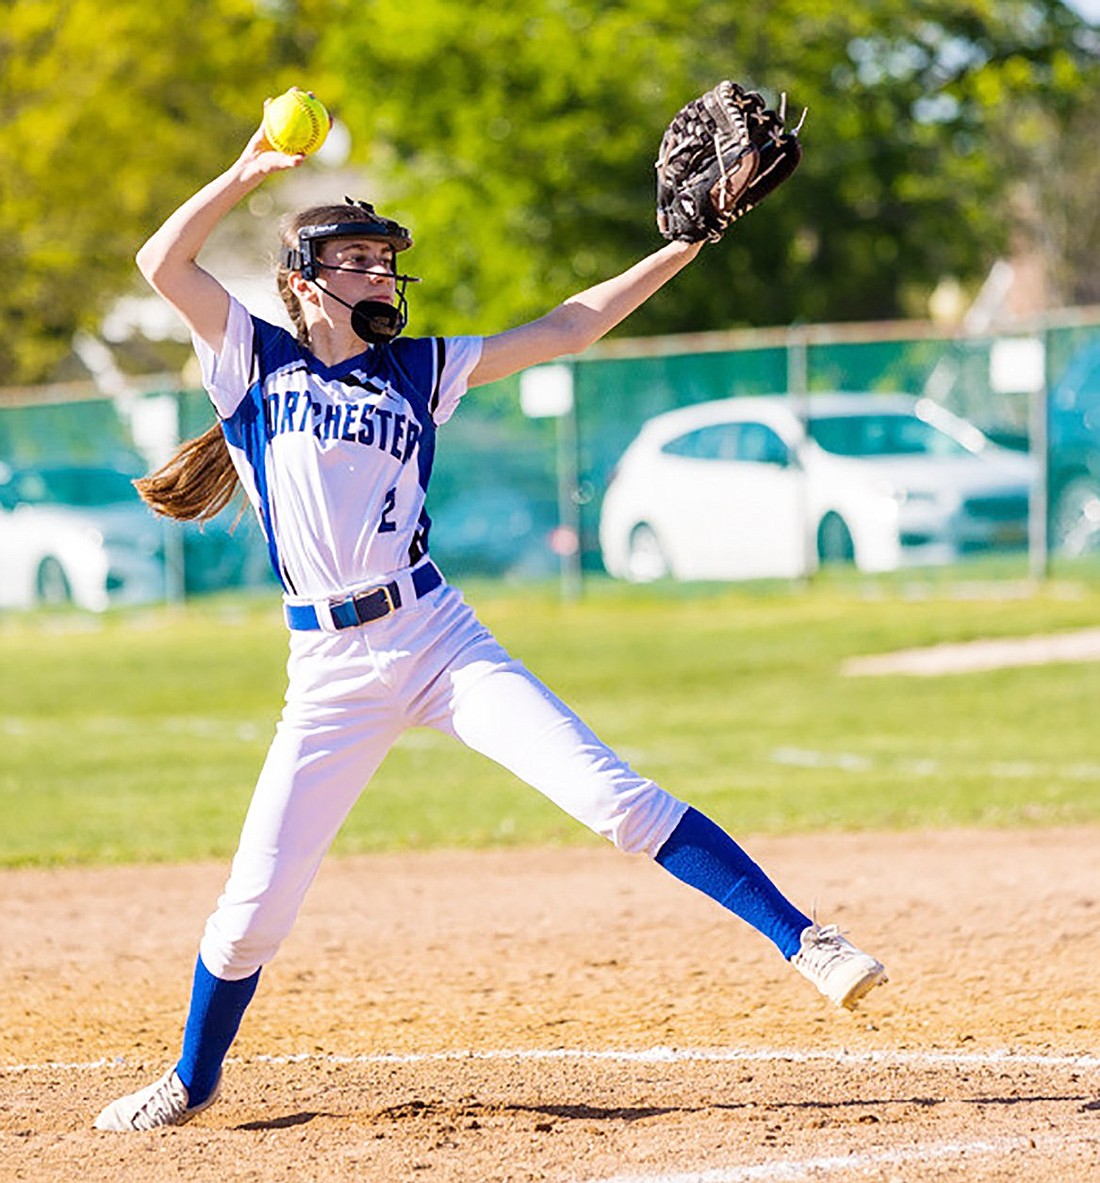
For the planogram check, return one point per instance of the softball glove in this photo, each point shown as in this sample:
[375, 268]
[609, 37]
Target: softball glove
[722, 154]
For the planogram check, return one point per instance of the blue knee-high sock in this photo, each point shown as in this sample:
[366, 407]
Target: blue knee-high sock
[704, 856]
[217, 1007]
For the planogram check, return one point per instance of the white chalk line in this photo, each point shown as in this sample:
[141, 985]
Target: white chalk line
[928, 766]
[653, 1055]
[792, 1169]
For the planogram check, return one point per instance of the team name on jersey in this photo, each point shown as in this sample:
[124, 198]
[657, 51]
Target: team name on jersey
[357, 421]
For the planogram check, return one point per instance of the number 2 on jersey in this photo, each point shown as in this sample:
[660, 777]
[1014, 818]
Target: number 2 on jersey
[385, 524]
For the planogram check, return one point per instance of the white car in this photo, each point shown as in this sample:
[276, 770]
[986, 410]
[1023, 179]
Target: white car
[71, 534]
[774, 486]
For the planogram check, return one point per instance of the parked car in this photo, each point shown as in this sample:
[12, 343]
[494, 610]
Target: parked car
[76, 534]
[494, 530]
[775, 486]
[80, 534]
[1074, 451]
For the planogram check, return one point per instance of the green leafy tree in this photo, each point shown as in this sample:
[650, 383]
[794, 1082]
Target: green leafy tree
[111, 113]
[518, 141]
[520, 144]
[1067, 223]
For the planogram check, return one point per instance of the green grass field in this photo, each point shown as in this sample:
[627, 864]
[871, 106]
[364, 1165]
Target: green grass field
[138, 736]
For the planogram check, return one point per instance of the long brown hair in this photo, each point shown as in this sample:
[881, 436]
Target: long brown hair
[199, 481]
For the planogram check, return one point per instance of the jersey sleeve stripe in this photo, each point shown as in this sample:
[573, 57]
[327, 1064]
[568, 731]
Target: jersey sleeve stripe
[440, 361]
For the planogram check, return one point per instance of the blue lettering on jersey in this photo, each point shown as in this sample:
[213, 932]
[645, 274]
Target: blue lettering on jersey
[408, 370]
[360, 422]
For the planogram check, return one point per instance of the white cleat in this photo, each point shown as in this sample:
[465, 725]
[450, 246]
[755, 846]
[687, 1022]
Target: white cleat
[836, 967]
[164, 1103]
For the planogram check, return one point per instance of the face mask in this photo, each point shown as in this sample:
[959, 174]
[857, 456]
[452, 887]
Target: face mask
[377, 322]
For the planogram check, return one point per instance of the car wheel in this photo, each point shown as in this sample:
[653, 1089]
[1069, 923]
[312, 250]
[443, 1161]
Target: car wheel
[1075, 520]
[834, 541]
[52, 584]
[645, 560]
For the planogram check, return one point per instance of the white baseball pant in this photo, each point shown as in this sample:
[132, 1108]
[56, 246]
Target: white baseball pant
[350, 695]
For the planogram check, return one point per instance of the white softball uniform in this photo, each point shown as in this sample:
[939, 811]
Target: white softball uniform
[336, 462]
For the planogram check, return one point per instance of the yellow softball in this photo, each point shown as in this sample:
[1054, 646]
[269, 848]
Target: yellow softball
[296, 122]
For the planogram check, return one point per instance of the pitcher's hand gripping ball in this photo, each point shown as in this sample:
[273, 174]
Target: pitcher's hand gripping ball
[722, 154]
[296, 122]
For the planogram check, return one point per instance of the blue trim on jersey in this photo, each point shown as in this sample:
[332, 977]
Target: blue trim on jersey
[421, 360]
[441, 360]
[412, 366]
[246, 429]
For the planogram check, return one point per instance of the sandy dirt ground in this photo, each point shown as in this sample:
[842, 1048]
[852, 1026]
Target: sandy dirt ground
[577, 1016]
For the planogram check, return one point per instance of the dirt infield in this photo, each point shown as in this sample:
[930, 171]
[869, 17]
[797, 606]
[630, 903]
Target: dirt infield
[577, 1016]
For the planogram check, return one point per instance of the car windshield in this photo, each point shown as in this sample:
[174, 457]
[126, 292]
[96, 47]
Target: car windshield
[881, 435]
[84, 487]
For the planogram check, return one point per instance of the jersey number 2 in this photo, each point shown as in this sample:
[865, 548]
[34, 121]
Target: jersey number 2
[385, 525]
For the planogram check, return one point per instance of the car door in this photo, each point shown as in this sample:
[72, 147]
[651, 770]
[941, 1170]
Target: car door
[735, 491]
[766, 503]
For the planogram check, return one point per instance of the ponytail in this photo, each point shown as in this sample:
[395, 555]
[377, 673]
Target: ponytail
[196, 483]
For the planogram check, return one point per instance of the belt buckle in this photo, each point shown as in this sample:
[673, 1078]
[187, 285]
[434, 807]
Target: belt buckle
[384, 588]
[363, 607]
[361, 599]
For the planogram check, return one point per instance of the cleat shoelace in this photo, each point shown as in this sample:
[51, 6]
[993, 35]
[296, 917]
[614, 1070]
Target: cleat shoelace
[164, 1107]
[828, 947]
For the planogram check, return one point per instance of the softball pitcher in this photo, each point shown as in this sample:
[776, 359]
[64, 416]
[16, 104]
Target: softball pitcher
[331, 431]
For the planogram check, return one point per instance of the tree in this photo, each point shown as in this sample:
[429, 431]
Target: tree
[518, 142]
[111, 112]
[520, 145]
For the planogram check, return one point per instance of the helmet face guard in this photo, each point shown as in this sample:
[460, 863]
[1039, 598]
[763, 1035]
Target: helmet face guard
[374, 321]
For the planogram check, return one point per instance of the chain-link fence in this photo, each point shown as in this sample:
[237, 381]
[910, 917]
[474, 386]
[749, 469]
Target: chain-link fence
[1044, 400]
[521, 497]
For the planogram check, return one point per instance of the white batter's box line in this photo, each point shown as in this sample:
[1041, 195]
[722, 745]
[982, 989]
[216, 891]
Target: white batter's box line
[667, 1055]
[654, 1055]
[782, 1170]
[63, 1066]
